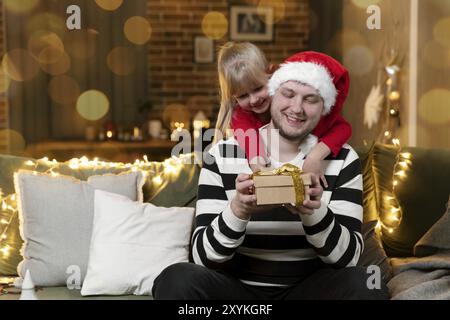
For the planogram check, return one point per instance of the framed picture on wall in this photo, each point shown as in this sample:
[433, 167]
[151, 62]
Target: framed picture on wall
[203, 50]
[249, 23]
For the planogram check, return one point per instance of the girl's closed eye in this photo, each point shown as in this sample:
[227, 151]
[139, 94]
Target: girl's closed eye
[242, 96]
[258, 89]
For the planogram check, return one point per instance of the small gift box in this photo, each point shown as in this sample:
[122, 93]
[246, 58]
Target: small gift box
[285, 185]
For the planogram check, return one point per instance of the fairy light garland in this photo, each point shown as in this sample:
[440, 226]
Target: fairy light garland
[393, 218]
[169, 168]
[9, 206]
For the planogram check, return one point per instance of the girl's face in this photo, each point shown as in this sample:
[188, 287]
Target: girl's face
[255, 99]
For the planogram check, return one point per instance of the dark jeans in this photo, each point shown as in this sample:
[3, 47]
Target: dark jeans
[187, 281]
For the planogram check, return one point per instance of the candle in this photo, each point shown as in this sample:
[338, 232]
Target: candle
[136, 132]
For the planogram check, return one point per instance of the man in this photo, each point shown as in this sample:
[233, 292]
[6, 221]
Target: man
[245, 251]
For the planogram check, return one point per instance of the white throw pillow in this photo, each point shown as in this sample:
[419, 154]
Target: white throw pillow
[132, 243]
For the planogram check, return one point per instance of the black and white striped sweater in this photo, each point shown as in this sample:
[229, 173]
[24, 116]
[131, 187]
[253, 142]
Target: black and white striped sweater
[277, 248]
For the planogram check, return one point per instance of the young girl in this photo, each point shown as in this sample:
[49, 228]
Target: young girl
[245, 104]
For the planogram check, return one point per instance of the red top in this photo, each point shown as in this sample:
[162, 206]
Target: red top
[333, 130]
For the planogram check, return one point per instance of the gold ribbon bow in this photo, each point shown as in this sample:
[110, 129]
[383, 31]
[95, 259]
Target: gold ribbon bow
[288, 170]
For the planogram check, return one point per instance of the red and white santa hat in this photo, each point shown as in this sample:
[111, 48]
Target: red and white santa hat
[319, 71]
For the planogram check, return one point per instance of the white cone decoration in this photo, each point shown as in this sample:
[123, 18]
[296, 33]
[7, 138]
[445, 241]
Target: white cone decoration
[28, 292]
[18, 283]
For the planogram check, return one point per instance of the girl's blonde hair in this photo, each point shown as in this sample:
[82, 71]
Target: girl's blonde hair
[241, 67]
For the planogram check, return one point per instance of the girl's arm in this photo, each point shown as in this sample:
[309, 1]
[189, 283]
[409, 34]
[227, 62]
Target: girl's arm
[332, 136]
[334, 133]
[245, 126]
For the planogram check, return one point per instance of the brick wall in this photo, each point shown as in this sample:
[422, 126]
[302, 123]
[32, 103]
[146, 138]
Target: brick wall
[3, 105]
[175, 78]
[173, 75]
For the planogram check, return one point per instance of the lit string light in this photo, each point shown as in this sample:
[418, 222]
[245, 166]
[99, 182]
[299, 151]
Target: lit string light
[169, 168]
[392, 217]
[8, 208]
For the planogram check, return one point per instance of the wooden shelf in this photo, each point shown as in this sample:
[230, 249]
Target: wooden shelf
[156, 150]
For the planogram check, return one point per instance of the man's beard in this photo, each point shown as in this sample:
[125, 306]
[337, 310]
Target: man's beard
[292, 137]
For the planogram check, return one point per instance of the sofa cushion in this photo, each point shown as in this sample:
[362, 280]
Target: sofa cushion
[56, 216]
[62, 293]
[422, 194]
[183, 183]
[370, 211]
[132, 243]
[437, 237]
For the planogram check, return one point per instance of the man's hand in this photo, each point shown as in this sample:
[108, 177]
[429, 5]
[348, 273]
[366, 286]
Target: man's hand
[244, 200]
[315, 194]
[243, 204]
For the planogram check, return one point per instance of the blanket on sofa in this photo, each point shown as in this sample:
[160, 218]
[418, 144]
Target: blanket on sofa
[426, 276]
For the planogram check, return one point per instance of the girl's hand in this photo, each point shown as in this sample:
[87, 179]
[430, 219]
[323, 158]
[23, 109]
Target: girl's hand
[317, 167]
[308, 206]
[258, 163]
[314, 162]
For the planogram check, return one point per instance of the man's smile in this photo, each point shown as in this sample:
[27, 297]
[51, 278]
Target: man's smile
[294, 120]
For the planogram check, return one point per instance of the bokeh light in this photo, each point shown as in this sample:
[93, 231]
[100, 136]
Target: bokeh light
[138, 30]
[46, 47]
[19, 65]
[16, 140]
[82, 44]
[121, 61]
[64, 90]
[109, 5]
[441, 32]
[20, 6]
[93, 105]
[278, 6]
[363, 4]
[215, 25]
[434, 107]
[359, 60]
[59, 67]
[47, 21]
[436, 55]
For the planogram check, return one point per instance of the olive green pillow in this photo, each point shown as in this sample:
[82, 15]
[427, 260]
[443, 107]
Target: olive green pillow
[370, 211]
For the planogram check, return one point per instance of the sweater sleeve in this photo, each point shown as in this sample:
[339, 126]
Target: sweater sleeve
[334, 131]
[334, 230]
[218, 232]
